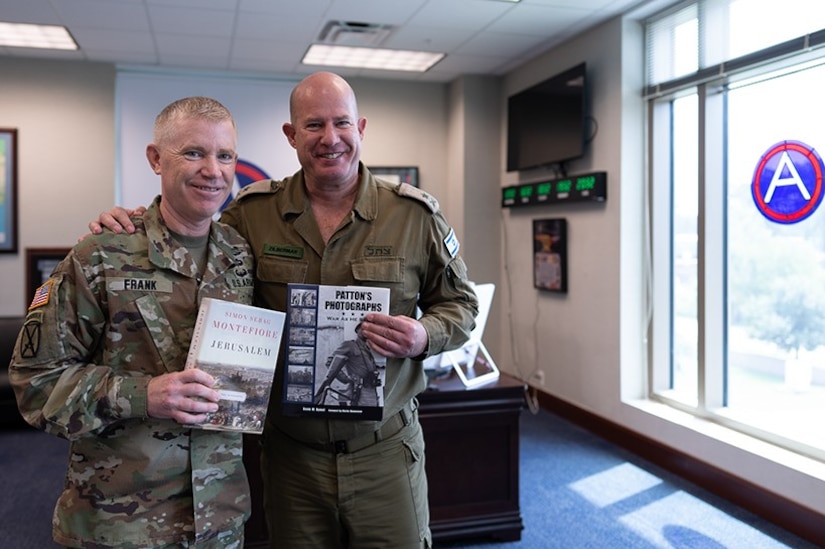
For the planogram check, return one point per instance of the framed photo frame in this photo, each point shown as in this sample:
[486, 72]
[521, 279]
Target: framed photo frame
[550, 254]
[474, 365]
[40, 262]
[8, 190]
[407, 174]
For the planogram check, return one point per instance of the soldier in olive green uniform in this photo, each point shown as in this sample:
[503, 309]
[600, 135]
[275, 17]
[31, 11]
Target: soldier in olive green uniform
[334, 482]
[111, 326]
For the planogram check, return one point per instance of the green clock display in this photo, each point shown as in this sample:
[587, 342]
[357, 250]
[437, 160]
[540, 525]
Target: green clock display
[590, 187]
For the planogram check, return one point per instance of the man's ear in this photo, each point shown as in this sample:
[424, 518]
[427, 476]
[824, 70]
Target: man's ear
[153, 156]
[289, 132]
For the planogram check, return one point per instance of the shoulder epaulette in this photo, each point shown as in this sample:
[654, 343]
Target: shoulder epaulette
[405, 189]
[264, 186]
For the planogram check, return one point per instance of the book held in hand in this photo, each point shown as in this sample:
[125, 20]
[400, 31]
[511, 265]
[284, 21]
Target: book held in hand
[238, 345]
[330, 369]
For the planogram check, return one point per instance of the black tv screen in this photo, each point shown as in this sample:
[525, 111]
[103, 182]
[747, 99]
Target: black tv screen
[546, 122]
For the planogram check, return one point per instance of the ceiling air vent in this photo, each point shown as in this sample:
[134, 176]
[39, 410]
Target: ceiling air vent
[353, 33]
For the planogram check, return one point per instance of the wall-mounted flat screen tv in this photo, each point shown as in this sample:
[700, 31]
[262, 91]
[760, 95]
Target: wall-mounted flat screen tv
[546, 122]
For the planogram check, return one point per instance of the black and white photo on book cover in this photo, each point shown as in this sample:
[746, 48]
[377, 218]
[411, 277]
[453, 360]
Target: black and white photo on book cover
[330, 368]
[238, 345]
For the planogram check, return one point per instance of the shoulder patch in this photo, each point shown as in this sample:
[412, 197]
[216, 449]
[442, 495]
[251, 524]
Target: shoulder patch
[264, 186]
[42, 294]
[405, 189]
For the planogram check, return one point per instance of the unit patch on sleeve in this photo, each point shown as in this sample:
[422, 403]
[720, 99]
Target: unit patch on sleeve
[30, 336]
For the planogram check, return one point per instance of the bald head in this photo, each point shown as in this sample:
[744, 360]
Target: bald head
[326, 85]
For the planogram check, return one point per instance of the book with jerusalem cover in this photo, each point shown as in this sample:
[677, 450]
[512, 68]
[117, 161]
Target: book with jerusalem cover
[238, 345]
[330, 370]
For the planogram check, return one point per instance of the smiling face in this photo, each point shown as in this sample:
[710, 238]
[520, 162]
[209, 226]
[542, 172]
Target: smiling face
[195, 158]
[325, 130]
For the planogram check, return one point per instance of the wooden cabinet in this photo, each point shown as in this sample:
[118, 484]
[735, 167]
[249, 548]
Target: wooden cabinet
[472, 462]
[472, 458]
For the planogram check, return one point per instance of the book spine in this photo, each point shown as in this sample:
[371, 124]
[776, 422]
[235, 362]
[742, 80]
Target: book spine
[197, 334]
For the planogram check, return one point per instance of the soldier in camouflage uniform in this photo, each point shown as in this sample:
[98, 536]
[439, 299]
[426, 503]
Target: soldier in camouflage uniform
[100, 358]
[339, 483]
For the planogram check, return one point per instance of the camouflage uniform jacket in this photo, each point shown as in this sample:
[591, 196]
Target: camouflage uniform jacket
[117, 311]
[396, 237]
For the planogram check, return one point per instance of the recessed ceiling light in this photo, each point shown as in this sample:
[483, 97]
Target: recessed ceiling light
[371, 58]
[23, 35]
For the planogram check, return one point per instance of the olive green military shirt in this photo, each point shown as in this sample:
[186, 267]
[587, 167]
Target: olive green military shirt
[117, 311]
[395, 237]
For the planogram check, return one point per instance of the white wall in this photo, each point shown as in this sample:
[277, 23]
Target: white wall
[64, 114]
[590, 343]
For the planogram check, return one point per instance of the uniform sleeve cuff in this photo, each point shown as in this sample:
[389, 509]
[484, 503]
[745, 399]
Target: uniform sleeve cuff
[436, 337]
[132, 398]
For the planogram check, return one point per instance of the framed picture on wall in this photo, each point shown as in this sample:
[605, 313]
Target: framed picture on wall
[550, 254]
[8, 190]
[397, 175]
[40, 262]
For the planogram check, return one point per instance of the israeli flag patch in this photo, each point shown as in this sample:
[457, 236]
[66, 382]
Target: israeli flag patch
[452, 243]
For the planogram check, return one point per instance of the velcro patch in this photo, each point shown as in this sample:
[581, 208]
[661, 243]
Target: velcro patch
[42, 294]
[158, 285]
[30, 337]
[283, 250]
[405, 189]
[452, 243]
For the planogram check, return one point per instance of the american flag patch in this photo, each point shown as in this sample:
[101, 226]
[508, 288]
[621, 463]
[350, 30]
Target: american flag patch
[41, 295]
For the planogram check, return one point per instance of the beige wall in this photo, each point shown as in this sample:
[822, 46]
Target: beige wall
[64, 115]
[590, 343]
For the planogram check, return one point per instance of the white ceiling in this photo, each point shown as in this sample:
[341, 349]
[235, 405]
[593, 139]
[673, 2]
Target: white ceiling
[486, 37]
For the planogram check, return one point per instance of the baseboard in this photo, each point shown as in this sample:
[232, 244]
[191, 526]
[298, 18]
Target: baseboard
[785, 513]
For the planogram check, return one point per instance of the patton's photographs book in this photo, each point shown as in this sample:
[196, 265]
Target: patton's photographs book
[330, 370]
[238, 345]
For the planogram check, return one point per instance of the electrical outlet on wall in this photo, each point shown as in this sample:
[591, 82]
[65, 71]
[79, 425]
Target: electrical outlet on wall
[538, 377]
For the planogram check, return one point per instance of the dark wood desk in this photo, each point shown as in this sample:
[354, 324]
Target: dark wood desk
[472, 462]
[472, 458]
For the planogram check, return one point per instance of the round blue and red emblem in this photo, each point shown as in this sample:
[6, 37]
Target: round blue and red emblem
[787, 183]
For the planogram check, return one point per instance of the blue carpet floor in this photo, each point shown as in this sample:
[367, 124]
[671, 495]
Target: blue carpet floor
[578, 491]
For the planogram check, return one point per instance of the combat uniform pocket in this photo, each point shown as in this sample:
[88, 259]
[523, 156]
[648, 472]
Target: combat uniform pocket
[280, 271]
[414, 451]
[387, 272]
[457, 269]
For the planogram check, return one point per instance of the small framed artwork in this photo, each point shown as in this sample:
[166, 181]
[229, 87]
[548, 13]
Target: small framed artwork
[397, 175]
[550, 254]
[8, 190]
[40, 262]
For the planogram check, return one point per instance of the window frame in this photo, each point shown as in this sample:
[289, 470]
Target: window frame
[710, 85]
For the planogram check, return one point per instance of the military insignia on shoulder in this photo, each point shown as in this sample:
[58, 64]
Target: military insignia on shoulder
[30, 335]
[42, 294]
[260, 187]
[405, 189]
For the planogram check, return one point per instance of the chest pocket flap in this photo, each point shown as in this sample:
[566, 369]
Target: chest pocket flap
[384, 269]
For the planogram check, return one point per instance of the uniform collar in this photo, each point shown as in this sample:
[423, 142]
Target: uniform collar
[164, 249]
[366, 202]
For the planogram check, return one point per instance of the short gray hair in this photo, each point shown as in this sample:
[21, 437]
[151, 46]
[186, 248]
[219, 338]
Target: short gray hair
[189, 107]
